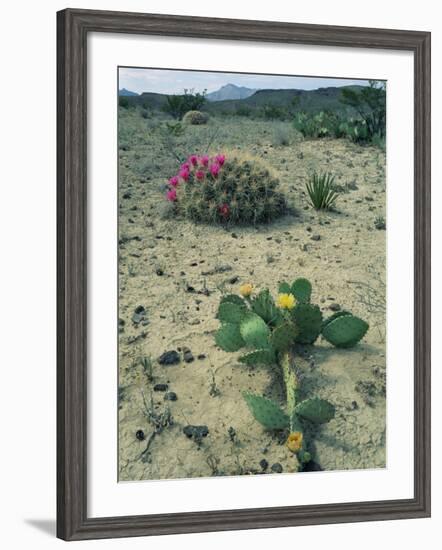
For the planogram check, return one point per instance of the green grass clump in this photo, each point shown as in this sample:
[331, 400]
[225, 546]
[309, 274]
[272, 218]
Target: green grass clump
[321, 191]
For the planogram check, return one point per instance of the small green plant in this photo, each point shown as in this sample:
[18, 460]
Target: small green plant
[178, 105]
[232, 189]
[269, 329]
[147, 364]
[321, 191]
[195, 118]
[379, 223]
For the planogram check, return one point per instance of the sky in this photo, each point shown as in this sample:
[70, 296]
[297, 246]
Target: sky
[174, 81]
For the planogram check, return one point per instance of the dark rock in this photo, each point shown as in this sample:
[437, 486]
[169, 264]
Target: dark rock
[232, 433]
[196, 432]
[170, 396]
[264, 464]
[277, 468]
[315, 237]
[201, 356]
[187, 355]
[139, 315]
[127, 196]
[160, 387]
[334, 307]
[233, 280]
[159, 272]
[140, 435]
[169, 358]
[234, 236]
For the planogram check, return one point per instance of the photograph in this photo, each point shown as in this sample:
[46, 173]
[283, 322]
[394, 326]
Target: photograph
[251, 274]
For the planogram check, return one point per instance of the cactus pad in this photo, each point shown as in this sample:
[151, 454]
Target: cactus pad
[301, 290]
[266, 412]
[345, 331]
[229, 312]
[228, 337]
[264, 306]
[308, 319]
[333, 317]
[233, 299]
[284, 288]
[259, 357]
[254, 331]
[284, 336]
[316, 410]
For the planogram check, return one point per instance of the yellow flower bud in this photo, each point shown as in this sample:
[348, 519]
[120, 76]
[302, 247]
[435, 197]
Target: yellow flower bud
[286, 301]
[294, 442]
[246, 289]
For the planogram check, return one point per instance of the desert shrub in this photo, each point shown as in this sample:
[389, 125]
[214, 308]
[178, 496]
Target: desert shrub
[226, 189]
[243, 110]
[274, 112]
[123, 102]
[321, 191]
[178, 105]
[320, 125]
[281, 135]
[370, 104]
[195, 117]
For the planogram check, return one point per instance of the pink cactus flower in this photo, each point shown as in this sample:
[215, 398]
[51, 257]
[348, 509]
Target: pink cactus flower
[184, 173]
[193, 160]
[214, 170]
[224, 210]
[220, 159]
[185, 166]
[171, 195]
[199, 174]
[204, 160]
[174, 181]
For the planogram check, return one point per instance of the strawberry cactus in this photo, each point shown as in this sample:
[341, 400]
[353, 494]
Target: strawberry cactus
[224, 189]
[269, 330]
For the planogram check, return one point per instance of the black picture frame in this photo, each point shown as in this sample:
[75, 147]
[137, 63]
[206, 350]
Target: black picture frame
[73, 26]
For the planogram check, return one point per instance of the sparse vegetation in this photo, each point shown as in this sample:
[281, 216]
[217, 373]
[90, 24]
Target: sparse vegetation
[195, 118]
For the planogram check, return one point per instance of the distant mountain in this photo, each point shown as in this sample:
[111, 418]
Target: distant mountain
[127, 93]
[230, 91]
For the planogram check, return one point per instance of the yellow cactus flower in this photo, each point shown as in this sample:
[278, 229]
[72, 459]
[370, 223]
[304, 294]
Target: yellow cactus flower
[246, 289]
[286, 301]
[294, 442]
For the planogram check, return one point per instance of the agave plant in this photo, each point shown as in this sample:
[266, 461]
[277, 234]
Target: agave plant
[269, 329]
[321, 191]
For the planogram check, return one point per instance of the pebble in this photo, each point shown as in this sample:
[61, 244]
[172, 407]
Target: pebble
[315, 237]
[160, 387]
[187, 355]
[169, 358]
[170, 396]
[159, 272]
[138, 315]
[140, 435]
[201, 356]
[334, 307]
[277, 468]
[264, 464]
[233, 280]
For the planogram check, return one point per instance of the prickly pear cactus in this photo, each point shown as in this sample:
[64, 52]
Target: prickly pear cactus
[254, 331]
[345, 331]
[266, 412]
[259, 357]
[284, 336]
[301, 290]
[308, 319]
[228, 337]
[316, 410]
[229, 312]
[264, 306]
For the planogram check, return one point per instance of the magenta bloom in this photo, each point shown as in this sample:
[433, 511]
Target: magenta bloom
[171, 195]
[185, 166]
[224, 210]
[214, 170]
[193, 160]
[204, 160]
[174, 181]
[220, 159]
[184, 173]
[199, 174]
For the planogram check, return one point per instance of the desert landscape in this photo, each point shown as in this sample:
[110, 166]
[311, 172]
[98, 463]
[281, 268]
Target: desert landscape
[181, 407]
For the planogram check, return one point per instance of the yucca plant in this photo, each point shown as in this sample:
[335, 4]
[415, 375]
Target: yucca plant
[321, 192]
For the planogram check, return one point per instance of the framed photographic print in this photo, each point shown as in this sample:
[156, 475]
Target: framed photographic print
[243, 274]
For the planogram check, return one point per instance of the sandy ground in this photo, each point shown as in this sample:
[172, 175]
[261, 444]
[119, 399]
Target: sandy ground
[177, 271]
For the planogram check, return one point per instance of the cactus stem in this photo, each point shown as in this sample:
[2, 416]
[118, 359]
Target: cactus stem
[291, 386]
